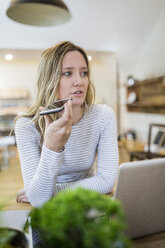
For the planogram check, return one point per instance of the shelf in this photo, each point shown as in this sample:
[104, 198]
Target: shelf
[5, 132]
[147, 96]
[14, 94]
[13, 102]
[148, 105]
[152, 109]
[147, 82]
[12, 111]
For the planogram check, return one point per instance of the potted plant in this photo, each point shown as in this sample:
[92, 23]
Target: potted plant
[80, 219]
[12, 238]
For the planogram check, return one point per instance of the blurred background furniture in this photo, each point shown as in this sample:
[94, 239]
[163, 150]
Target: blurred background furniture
[155, 147]
[13, 102]
[146, 96]
[5, 143]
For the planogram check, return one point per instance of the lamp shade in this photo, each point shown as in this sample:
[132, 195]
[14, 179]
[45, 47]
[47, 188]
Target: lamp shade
[38, 12]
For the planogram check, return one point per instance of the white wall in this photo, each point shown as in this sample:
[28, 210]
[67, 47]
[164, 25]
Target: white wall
[103, 74]
[150, 63]
[18, 74]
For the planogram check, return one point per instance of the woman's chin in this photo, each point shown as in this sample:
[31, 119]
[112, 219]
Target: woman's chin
[77, 102]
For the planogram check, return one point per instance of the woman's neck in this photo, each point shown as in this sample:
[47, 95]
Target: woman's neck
[77, 113]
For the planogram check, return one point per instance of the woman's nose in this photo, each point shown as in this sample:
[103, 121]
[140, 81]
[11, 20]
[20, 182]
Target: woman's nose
[76, 83]
[77, 80]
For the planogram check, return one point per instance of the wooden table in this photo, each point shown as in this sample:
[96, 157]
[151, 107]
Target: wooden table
[126, 146]
[132, 149]
[11, 181]
[151, 241]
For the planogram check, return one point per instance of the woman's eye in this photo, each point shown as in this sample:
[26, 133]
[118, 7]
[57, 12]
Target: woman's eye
[84, 73]
[67, 73]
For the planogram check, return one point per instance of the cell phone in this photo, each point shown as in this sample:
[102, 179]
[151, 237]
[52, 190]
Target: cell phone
[55, 107]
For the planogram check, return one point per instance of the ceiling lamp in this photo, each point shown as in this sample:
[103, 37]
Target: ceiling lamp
[38, 12]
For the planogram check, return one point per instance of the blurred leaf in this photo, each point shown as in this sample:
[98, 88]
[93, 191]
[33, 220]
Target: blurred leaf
[81, 219]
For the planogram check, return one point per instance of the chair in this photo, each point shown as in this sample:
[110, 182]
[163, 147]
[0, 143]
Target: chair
[149, 154]
[5, 142]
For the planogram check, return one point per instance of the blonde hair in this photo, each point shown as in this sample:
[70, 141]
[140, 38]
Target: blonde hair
[49, 74]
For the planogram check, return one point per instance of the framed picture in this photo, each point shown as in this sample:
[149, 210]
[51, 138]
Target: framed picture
[160, 138]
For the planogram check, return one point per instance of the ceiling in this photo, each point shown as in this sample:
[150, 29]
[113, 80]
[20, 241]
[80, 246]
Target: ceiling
[121, 26]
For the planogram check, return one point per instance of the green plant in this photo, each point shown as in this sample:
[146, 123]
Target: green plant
[5, 236]
[80, 219]
[11, 238]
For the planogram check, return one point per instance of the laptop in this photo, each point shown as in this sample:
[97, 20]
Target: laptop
[141, 189]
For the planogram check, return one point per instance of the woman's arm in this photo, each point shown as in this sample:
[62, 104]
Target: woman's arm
[39, 166]
[107, 160]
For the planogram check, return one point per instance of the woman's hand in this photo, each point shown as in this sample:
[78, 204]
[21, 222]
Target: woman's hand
[21, 196]
[57, 132]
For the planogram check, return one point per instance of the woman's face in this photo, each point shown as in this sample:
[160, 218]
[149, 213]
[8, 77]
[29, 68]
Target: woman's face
[74, 79]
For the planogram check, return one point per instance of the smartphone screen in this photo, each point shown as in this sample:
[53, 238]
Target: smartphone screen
[55, 107]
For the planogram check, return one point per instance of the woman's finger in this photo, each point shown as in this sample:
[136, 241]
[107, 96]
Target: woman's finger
[22, 199]
[69, 103]
[21, 195]
[67, 115]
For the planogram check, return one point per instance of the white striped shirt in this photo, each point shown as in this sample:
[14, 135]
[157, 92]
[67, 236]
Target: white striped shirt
[46, 172]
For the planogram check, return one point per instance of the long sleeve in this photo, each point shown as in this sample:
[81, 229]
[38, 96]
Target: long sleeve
[107, 158]
[39, 165]
[46, 172]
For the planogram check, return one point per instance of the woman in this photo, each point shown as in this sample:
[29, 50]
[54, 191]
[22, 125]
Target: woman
[58, 151]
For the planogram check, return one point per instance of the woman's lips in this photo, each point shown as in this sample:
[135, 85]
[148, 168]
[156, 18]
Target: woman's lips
[77, 93]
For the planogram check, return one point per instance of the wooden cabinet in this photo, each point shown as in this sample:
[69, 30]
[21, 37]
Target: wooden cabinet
[12, 103]
[147, 96]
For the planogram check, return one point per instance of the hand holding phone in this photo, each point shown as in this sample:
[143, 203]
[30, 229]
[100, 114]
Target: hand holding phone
[58, 132]
[55, 107]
